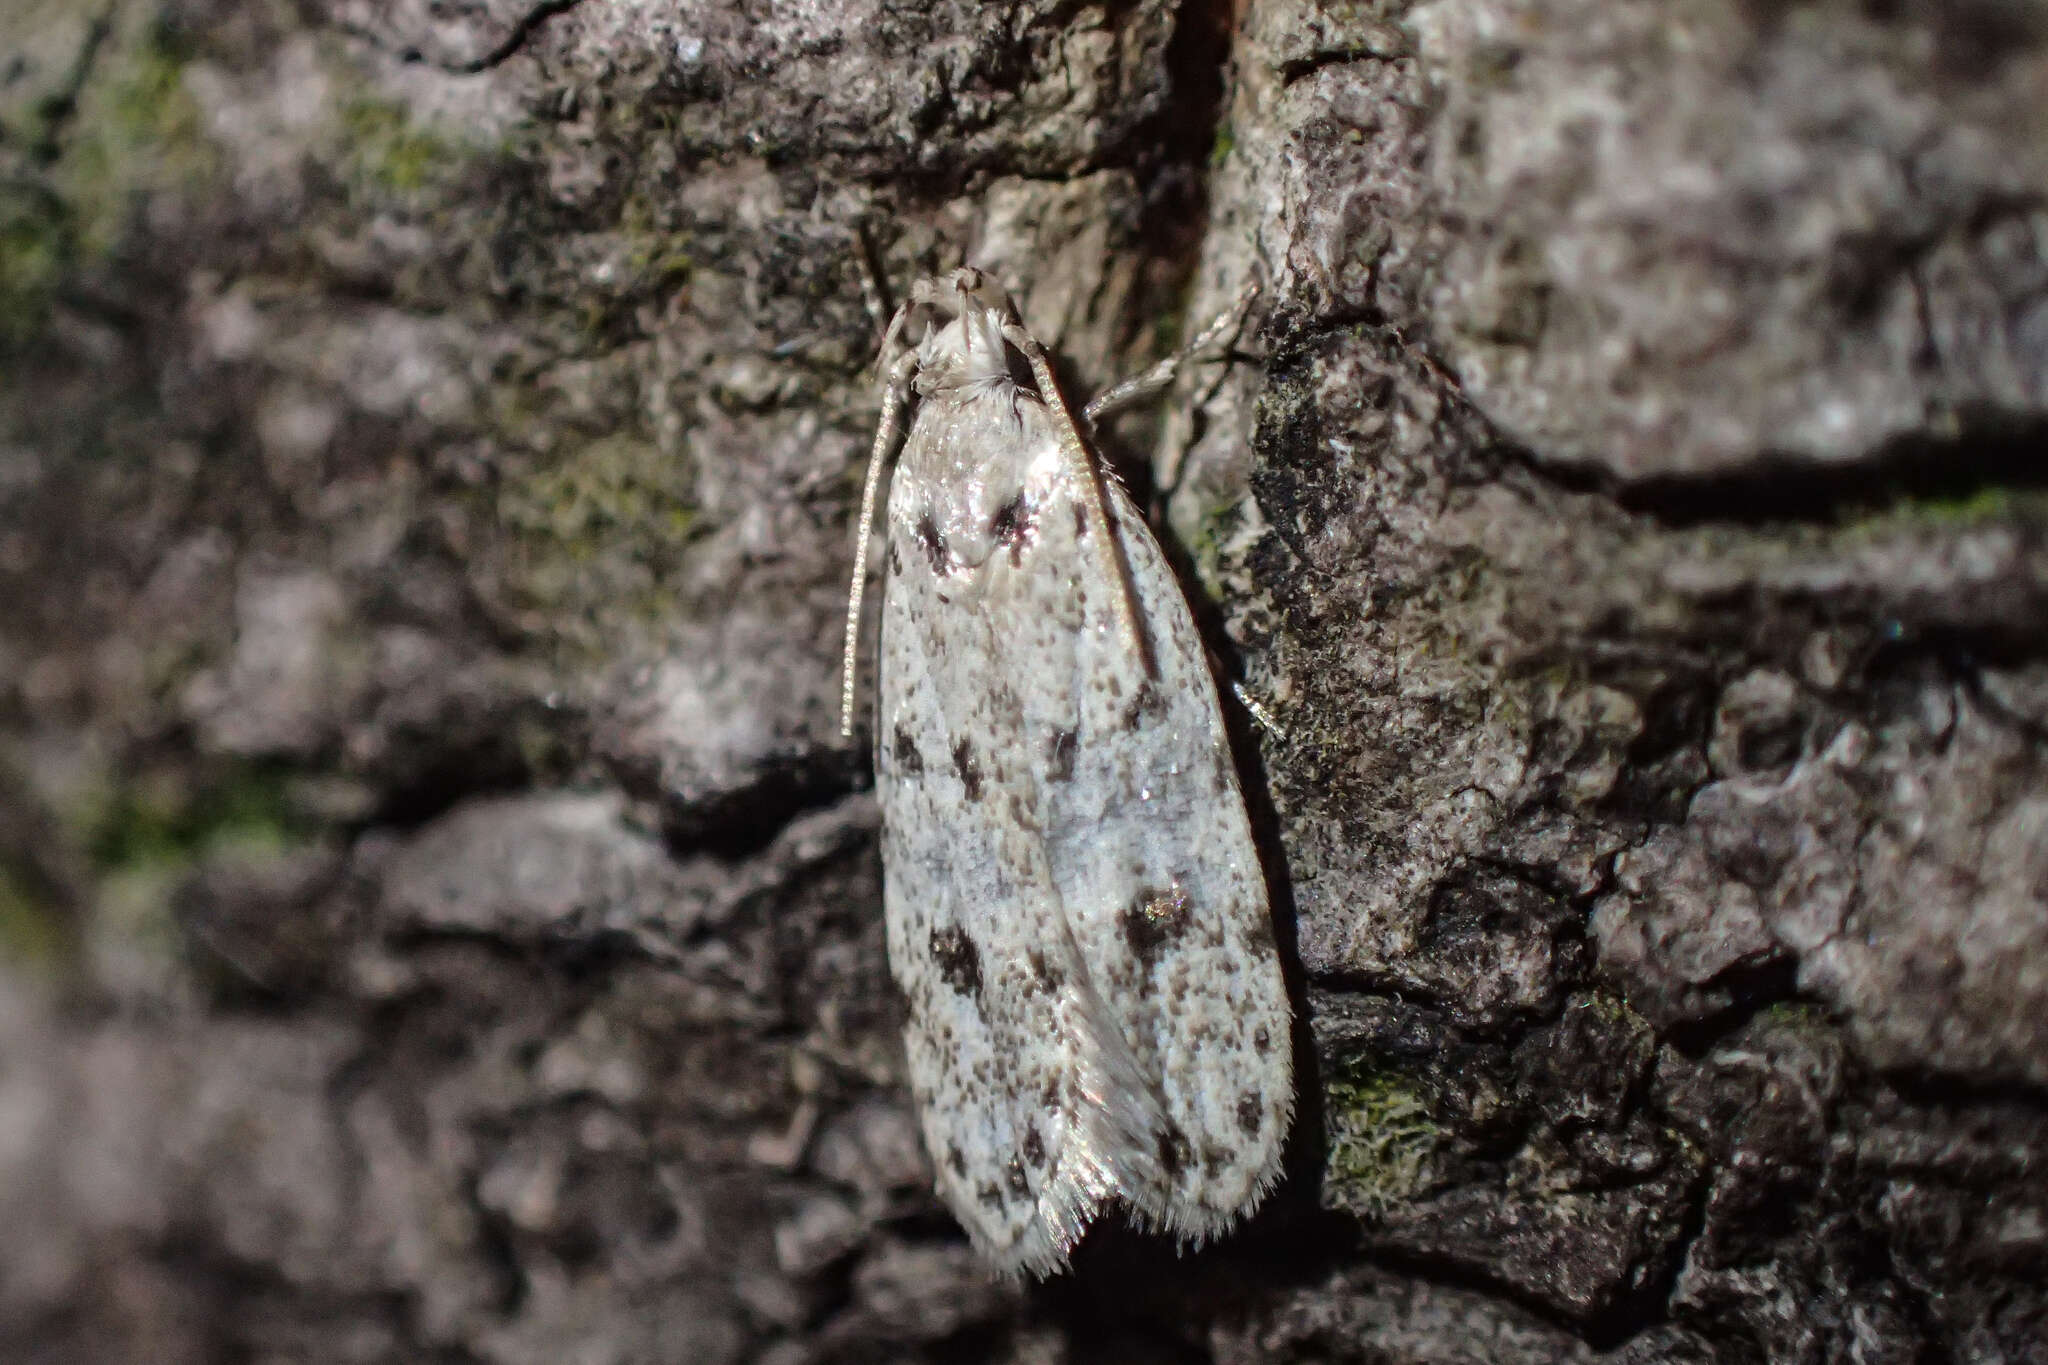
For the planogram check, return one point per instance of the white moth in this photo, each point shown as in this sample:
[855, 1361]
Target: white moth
[1075, 907]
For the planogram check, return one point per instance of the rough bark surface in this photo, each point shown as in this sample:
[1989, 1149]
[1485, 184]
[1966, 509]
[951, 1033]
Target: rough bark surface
[438, 920]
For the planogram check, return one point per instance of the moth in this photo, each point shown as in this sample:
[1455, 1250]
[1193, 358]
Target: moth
[1075, 909]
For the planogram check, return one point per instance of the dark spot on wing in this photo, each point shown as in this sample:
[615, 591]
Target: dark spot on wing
[1155, 920]
[1259, 937]
[1262, 1041]
[1251, 1113]
[902, 748]
[895, 561]
[1146, 705]
[1059, 755]
[1012, 526]
[989, 1194]
[934, 545]
[1034, 1148]
[969, 769]
[1004, 704]
[1044, 971]
[1214, 1159]
[1174, 1152]
[956, 1160]
[959, 960]
[1014, 1173]
[1080, 521]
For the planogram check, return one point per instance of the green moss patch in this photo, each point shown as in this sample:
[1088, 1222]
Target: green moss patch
[35, 935]
[166, 821]
[386, 154]
[35, 251]
[593, 542]
[132, 133]
[138, 133]
[1383, 1141]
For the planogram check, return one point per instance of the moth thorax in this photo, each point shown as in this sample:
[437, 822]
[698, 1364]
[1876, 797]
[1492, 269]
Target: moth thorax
[969, 352]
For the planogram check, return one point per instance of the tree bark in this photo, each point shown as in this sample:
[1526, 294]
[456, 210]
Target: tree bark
[439, 919]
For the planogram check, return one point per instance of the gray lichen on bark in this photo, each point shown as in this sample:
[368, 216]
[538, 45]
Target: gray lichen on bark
[439, 921]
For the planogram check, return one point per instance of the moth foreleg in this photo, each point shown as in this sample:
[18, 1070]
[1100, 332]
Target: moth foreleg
[1259, 714]
[1141, 387]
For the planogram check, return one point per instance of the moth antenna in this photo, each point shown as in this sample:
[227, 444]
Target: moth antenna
[1082, 465]
[874, 290]
[887, 431]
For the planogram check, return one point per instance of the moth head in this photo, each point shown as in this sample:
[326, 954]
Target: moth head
[975, 288]
[969, 348]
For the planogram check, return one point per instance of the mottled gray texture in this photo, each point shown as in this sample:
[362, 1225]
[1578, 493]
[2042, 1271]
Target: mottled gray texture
[1077, 915]
[439, 922]
[1687, 242]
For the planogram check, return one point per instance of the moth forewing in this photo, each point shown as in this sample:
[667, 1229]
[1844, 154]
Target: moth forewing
[1075, 909]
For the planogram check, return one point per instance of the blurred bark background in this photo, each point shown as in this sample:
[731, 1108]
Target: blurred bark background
[440, 922]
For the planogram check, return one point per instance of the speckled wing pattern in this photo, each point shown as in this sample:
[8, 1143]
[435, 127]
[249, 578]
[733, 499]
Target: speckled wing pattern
[1076, 912]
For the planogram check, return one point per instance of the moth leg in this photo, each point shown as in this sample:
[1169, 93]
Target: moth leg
[1259, 714]
[1141, 387]
[1087, 476]
[895, 392]
[928, 292]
